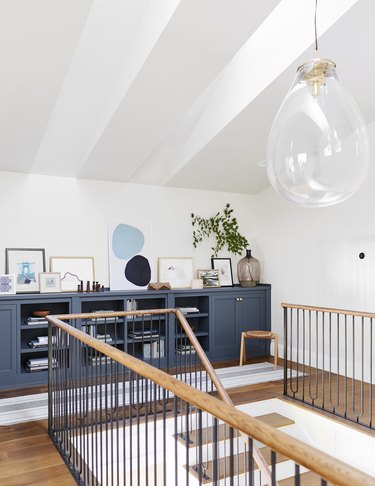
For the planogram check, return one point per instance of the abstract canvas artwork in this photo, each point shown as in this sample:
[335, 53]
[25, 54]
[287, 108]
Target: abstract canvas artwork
[130, 255]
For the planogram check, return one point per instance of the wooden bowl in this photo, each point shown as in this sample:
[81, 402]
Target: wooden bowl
[40, 313]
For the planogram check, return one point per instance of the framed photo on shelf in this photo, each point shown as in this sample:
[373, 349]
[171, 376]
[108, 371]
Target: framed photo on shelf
[224, 265]
[177, 271]
[73, 270]
[210, 277]
[26, 264]
[7, 284]
[50, 282]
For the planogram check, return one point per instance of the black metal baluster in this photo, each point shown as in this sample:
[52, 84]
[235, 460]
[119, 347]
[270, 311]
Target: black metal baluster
[273, 467]
[231, 456]
[323, 361]
[370, 386]
[297, 475]
[251, 463]
[285, 351]
[303, 353]
[215, 452]
[346, 367]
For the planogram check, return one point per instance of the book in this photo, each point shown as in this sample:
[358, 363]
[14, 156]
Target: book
[188, 310]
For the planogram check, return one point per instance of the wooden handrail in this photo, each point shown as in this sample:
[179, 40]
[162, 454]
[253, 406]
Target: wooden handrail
[370, 315]
[258, 458]
[324, 465]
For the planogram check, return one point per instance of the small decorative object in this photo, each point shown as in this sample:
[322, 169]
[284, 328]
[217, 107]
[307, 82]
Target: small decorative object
[7, 284]
[224, 227]
[224, 266]
[197, 283]
[40, 313]
[210, 277]
[130, 255]
[50, 282]
[73, 270]
[88, 286]
[26, 264]
[248, 270]
[159, 286]
[177, 271]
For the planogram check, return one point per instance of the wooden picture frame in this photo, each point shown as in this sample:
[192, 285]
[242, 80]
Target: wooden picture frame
[210, 277]
[50, 282]
[73, 270]
[177, 271]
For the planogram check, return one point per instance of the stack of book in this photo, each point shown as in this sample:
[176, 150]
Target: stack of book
[41, 342]
[97, 359]
[189, 310]
[36, 321]
[107, 338]
[38, 364]
[143, 334]
[101, 320]
[185, 349]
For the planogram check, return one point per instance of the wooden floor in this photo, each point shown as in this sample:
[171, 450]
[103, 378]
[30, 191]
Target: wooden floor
[28, 457]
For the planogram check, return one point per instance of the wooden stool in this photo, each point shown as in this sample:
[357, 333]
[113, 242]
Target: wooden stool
[258, 335]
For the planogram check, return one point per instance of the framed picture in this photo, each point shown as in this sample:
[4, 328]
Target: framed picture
[224, 266]
[7, 284]
[210, 277]
[73, 270]
[50, 282]
[177, 271]
[26, 264]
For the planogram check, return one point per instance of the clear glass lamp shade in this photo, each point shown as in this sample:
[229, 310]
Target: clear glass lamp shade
[317, 152]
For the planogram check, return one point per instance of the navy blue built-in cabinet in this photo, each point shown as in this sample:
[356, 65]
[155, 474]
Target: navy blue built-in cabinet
[223, 314]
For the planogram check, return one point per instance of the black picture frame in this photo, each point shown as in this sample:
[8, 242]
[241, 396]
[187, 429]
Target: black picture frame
[25, 264]
[224, 265]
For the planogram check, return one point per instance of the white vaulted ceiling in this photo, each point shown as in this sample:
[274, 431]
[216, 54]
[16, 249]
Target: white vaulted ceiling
[168, 92]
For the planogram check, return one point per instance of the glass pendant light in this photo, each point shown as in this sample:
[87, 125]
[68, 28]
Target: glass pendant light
[317, 153]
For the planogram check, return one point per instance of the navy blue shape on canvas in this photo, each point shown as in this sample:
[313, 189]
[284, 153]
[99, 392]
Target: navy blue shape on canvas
[138, 271]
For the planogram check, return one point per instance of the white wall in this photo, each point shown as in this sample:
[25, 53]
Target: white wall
[70, 217]
[311, 255]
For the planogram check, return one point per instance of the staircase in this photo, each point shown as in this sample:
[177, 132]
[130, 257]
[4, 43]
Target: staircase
[233, 460]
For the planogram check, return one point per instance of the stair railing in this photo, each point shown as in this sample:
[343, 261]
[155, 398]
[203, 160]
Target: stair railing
[110, 416]
[331, 352]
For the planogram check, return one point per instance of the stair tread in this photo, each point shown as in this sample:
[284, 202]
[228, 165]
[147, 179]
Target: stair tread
[307, 479]
[273, 419]
[240, 465]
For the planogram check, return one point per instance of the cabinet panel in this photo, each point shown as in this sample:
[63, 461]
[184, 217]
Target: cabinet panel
[252, 316]
[223, 327]
[8, 346]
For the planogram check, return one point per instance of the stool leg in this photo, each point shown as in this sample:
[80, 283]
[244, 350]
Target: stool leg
[242, 349]
[276, 351]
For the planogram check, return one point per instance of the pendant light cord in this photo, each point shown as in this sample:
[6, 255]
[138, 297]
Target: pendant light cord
[316, 31]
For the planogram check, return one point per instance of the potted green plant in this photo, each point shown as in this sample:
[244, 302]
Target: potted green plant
[223, 227]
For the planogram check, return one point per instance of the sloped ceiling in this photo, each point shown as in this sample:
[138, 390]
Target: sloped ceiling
[175, 92]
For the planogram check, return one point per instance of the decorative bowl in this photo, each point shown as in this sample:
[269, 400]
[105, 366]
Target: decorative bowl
[40, 313]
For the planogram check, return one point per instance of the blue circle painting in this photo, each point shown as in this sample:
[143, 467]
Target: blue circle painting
[127, 241]
[138, 271]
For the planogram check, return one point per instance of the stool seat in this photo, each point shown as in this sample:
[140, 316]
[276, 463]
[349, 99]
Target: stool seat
[258, 335]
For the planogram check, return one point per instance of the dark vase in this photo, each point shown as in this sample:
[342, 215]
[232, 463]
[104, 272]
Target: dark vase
[248, 271]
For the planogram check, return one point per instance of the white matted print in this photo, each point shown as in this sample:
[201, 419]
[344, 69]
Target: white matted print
[177, 271]
[73, 270]
[7, 284]
[26, 264]
[50, 282]
[130, 255]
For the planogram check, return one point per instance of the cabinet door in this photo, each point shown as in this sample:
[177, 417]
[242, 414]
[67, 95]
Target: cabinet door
[252, 317]
[223, 328]
[8, 346]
